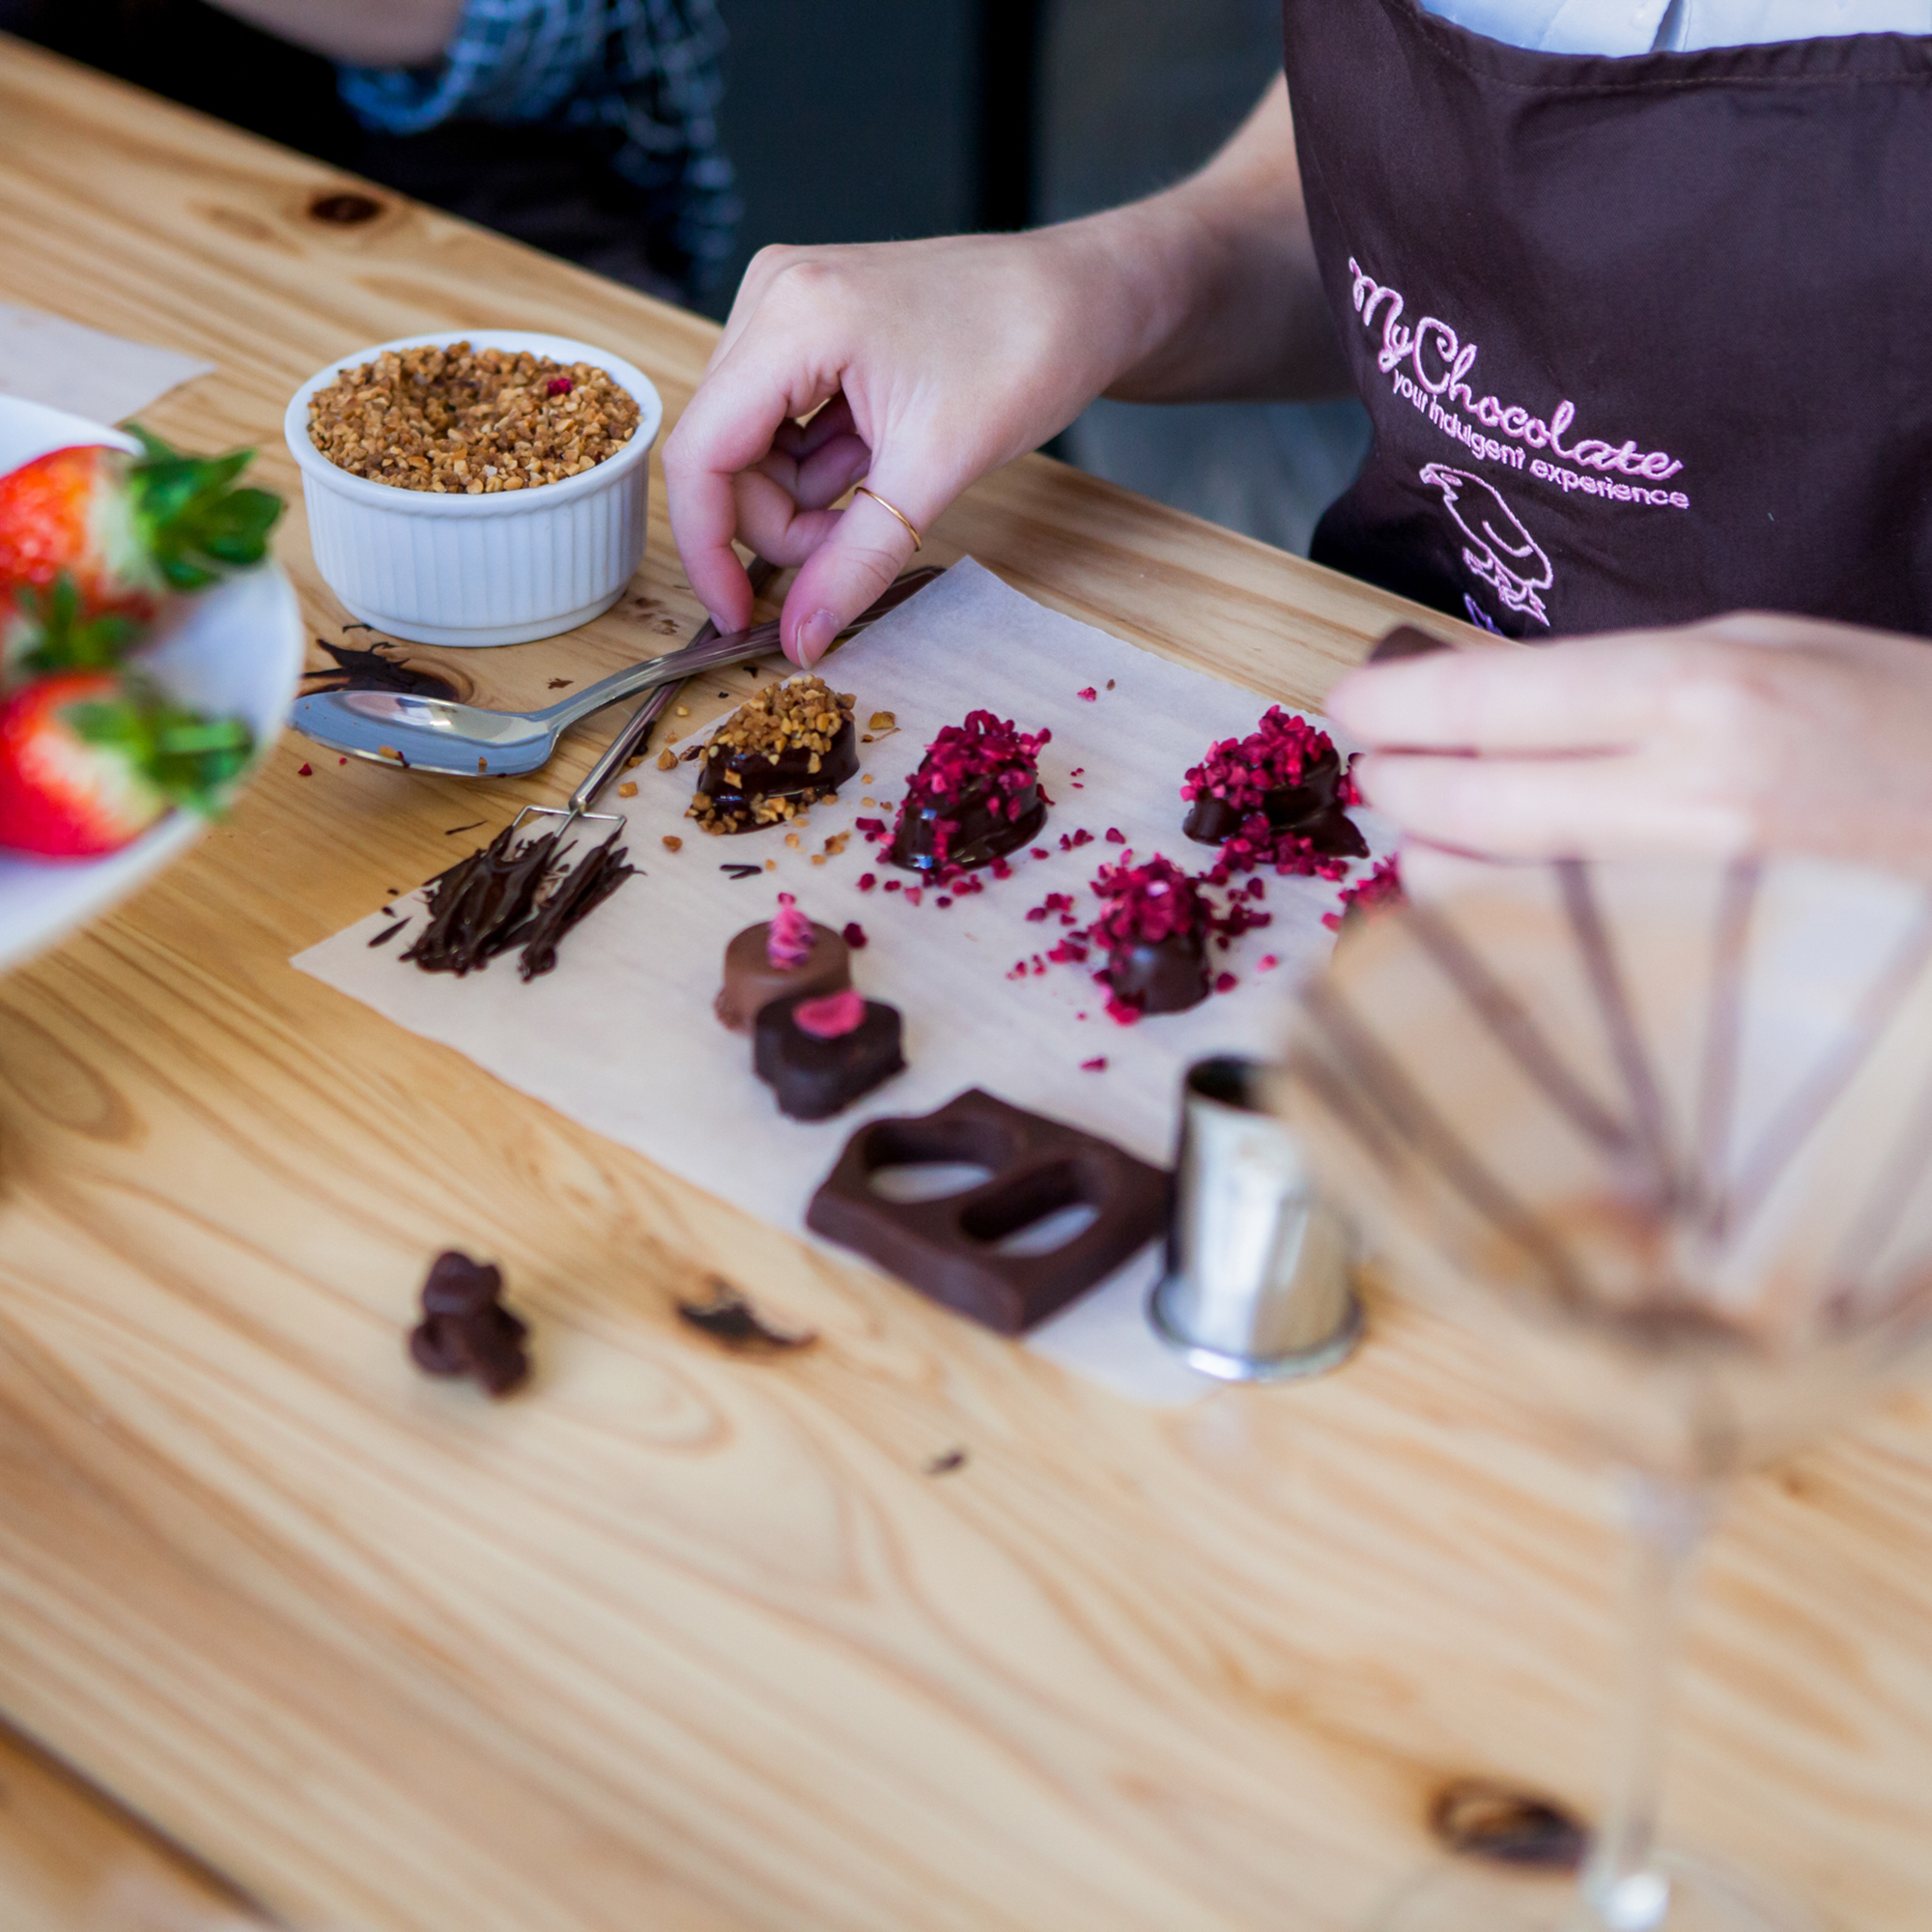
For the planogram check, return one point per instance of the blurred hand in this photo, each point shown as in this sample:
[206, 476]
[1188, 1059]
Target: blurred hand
[933, 361]
[1750, 733]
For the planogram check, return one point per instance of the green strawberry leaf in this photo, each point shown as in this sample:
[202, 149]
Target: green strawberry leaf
[59, 638]
[189, 756]
[194, 523]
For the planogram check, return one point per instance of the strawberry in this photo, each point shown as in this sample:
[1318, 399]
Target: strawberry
[129, 528]
[45, 631]
[89, 761]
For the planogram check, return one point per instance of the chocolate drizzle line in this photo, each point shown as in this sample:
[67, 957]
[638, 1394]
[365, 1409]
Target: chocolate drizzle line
[1778, 1146]
[1514, 1030]
[1724, 1026]
[1626, 1039]
[1408, 1120]
[388, 932]
[495, 899]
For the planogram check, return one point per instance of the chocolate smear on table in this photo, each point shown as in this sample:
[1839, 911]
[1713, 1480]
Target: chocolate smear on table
[356, 669]
[1476, 1818]
[453, 830]
[727, 1317]
[510, 896]
[955, 1249]
[465, 1330]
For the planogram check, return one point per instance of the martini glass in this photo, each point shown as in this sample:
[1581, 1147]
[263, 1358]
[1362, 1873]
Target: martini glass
[1664, 1133]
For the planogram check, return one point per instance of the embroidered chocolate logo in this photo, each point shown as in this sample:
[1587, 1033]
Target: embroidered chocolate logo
[1429, 367]
[1495, 545]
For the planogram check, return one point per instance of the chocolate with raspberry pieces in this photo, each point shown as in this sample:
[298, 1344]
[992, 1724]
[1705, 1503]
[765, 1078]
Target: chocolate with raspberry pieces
[975, 797]
[1284, 770]
[1155, 930]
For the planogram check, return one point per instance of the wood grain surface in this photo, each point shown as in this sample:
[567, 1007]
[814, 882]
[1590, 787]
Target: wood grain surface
[695, 1642]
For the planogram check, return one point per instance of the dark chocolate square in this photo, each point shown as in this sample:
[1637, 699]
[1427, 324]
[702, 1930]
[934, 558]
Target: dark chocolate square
[816, 1078]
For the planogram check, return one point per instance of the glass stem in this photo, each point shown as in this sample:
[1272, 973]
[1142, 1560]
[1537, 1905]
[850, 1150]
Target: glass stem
[1623, 1891]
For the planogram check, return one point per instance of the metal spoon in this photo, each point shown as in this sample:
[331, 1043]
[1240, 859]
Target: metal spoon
[436, 734]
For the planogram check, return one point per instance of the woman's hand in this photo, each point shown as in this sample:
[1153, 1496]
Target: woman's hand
[933, 363]
[930, 362]
[1750, 733]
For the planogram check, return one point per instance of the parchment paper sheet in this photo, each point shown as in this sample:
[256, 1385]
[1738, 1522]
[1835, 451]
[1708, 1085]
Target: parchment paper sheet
[621, 1038]
[47, 358]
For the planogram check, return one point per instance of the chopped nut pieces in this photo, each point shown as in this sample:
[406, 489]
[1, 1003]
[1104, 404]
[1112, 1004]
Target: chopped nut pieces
[628, 790]
[667, 760]
[777, 754]
[673, 843]
[461, 420]
[881, 721]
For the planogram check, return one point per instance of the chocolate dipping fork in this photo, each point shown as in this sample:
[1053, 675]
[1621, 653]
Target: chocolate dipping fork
[488, 904]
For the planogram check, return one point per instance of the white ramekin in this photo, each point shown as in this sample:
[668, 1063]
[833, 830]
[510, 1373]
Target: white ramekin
[480, 569]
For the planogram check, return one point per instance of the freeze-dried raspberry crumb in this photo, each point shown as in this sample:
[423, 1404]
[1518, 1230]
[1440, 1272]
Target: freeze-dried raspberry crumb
[1382, 886]
[1088, 696]
[1038, 851]
[1114, 835]
[306, 772]
[1225, 982]
[1097, 1065]
[867, 880]
[1241, 771]
[854, 935]
[1258, 844]
[914, 894]
[1267, 963]
[893, 885]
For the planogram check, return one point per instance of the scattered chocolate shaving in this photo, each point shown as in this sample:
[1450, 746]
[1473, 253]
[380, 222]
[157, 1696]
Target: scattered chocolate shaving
[562, 683]
[494, 900]
[465, 1330]
[1476, 1818]
[388, 932]
[944, 1466]
[728, 1318]
[375, 669]
[690, 752]
[572, 899]
[742, 871]
[455, 829]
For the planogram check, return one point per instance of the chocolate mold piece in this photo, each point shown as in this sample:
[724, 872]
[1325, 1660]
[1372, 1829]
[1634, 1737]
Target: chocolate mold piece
[947, 1249]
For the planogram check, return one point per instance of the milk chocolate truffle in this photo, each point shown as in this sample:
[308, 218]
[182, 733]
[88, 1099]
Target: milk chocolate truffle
[789, 955]
[1284, 769]
[780, 752]
[1154, 931]
[975, 797]
[820, 1054]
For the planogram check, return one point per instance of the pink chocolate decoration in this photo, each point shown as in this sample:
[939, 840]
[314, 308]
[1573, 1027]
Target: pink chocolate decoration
[789, 942]
[832, 1018]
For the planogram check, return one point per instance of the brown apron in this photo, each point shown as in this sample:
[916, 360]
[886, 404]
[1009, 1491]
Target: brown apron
[1642, 339]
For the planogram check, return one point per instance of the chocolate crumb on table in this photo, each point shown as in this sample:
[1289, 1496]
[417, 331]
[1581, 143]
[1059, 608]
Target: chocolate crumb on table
[465, 1329]
[459, 420]
[727, 1317]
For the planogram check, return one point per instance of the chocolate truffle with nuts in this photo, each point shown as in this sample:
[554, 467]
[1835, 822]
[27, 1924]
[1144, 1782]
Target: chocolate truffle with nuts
[778, 754]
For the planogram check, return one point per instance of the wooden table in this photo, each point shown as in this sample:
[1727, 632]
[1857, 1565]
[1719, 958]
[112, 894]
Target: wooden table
[680, 1641]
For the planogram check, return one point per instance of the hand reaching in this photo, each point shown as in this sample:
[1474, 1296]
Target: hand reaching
[1751, 732]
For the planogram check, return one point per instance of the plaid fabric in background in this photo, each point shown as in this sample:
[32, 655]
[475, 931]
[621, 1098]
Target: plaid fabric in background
[645, 74]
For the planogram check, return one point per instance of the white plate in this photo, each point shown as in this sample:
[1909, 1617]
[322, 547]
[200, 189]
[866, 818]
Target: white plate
[234, 648]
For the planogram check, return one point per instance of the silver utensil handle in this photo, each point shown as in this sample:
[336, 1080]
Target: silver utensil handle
[616, 753]
[712, 653]
[637, 727]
